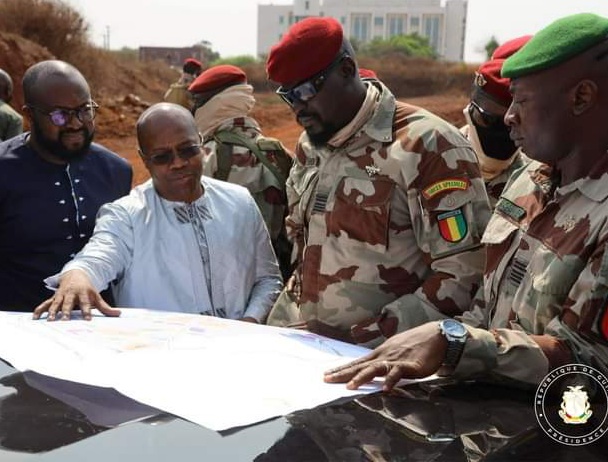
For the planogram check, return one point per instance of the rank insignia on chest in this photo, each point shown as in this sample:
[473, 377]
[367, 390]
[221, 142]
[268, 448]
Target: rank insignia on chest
[453, 225]
[372, 169]
[569, 223]
[510, 209]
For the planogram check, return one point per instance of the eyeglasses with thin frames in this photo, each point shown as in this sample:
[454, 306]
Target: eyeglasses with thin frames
[168, 157]
[60, 117]
[308, 89]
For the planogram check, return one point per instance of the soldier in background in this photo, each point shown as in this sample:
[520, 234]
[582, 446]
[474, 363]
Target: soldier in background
[11, 122]
[386, 201]
[545, 291]
[237, 152]
[490, 98]
[178, 91]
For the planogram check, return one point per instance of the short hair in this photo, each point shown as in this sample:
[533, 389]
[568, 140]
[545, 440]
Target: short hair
[45, 70]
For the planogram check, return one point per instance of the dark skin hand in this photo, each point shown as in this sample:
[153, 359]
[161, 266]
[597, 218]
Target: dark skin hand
[75, 290]
[414, 354]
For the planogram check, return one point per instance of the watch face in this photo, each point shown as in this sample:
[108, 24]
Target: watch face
[454, 328]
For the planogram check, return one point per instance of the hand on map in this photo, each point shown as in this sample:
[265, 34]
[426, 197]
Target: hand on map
[413, 354]
[317, 327]
[75, 291]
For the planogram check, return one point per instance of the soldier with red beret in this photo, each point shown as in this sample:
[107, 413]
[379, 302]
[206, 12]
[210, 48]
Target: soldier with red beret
[237, 152]
[178, 91]
[386, 201]
[485, 129]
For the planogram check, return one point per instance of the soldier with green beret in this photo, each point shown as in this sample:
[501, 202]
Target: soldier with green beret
[544, 302]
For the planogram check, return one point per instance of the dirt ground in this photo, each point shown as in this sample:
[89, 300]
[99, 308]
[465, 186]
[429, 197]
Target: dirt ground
[116, 123]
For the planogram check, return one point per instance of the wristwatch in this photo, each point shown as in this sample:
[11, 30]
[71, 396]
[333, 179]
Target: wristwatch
[456, 335]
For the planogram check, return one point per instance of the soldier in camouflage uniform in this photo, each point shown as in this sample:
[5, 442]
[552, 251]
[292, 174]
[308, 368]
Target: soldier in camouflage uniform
[545, 295]
[386, 202]
[178, 91]
[222, 103]
[490, 98]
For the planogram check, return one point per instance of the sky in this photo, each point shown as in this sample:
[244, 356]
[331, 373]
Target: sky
[231, 25]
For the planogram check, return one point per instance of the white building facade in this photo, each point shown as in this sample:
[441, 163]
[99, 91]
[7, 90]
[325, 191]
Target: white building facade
[443, 22]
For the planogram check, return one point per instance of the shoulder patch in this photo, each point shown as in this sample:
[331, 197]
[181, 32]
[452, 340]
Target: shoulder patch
[449, 184]
[510, 209]
[453, 226]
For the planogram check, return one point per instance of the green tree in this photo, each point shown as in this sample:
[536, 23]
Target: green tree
[412, 45]
[208, 54]
[240, 61]
[491, 46]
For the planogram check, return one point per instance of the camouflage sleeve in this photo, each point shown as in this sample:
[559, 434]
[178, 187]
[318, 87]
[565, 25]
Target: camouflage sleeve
[299, 187]
[449, 210]
[209, 159]
[512, 354]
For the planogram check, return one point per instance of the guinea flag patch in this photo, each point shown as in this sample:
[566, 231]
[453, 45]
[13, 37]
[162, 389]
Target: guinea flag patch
[453, 226]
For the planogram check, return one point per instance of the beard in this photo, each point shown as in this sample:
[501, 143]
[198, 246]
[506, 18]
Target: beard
[57, 147]
[320, 133]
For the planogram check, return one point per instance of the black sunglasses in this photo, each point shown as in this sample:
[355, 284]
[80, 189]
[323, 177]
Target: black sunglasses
[61, 116]
[489, 119]
[308, 89]
[167, 157]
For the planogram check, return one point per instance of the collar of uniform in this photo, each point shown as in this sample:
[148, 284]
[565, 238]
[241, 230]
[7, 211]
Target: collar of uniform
[594, 188]
[380, 126]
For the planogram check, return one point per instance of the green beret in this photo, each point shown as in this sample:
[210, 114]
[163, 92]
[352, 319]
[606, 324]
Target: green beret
[556, 43]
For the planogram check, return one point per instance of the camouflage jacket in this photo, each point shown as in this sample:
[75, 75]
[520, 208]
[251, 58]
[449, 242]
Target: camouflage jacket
[247, 171]
[496, 185]
[546, 273]
[389, 222]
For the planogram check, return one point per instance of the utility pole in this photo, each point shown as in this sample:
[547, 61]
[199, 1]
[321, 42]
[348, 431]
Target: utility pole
[106, 38]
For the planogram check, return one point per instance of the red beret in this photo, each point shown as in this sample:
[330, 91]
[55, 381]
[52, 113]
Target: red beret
[488, 78]
[218, 77]
[509, 47]
[192, 65]
[307, 48]
[367, 73]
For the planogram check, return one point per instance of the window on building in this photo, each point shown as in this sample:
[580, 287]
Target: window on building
[360, 26]
[343, 20]
[378, 21]
[431, 29]
[281, 19]
[306, 5]
[397, 24]
[415, 24]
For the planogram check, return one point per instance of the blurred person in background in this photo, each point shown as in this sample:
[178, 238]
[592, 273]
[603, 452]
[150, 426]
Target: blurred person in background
[179, 242]
[53, 180]
[485, 129]
[11, 122]
[178, 93]
[235, 150]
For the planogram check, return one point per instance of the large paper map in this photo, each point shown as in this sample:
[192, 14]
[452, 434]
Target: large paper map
[214, 372]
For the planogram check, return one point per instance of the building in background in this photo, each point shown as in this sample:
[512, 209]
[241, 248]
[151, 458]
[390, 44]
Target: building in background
[172, 56]
[443, 22]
